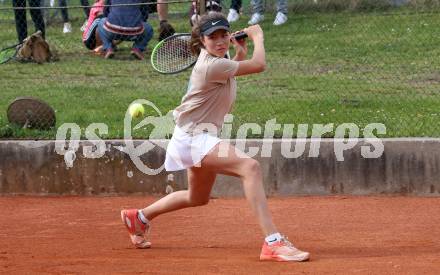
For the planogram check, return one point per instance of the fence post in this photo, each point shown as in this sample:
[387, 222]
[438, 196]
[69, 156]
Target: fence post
[202, 7]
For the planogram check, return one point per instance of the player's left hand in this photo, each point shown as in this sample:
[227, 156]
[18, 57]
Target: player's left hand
[240, 47]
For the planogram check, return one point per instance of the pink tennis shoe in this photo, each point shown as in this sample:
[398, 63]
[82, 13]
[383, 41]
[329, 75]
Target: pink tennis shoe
[282, 251]
[136, 229]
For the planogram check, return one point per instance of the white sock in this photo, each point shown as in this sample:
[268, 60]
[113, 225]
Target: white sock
[142, 217]
[273, 238]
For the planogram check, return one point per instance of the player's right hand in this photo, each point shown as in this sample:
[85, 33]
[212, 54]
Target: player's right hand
[240, 47]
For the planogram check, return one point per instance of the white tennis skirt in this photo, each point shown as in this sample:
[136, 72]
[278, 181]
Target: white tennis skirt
[186, 150]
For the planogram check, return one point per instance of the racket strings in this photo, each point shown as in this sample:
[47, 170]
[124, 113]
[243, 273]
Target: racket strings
[174, 55]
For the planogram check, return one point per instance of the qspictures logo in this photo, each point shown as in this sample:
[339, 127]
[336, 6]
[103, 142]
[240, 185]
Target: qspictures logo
[346, 137]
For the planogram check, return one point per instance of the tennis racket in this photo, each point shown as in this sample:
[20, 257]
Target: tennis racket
[173, 54]
[9, 53]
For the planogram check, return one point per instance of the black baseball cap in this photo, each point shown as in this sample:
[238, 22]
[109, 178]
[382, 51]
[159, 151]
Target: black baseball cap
[213, 25]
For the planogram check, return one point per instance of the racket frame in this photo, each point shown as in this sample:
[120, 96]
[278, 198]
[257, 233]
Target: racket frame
[16, 46]
[159, 45]
[237, 36]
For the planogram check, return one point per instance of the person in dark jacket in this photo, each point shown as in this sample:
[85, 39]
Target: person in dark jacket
[126, 23]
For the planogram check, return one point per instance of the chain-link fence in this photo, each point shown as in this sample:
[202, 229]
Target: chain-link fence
[332, 62]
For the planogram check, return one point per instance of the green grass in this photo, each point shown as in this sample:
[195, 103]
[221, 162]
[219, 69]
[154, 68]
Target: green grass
[322, 68]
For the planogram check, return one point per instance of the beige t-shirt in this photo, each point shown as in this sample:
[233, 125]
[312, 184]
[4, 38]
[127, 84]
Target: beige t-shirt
[210, 95]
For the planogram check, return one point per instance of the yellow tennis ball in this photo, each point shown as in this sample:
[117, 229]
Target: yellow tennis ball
[136, 110]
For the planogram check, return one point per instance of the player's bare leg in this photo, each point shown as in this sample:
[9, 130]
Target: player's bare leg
[137, 222]
[200, 182]
[227, 159]
[232, 161]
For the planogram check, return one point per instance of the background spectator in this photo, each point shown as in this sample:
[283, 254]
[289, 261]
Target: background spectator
[165, 28]
[258, 9]
[86, 8]
[234, 11]
[67, 28]
[90, 37]
[125, 23]
[21, 21]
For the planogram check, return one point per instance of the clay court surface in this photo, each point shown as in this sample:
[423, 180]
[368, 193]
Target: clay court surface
[361, 235]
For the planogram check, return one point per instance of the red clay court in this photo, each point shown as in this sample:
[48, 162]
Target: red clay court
[362, 235]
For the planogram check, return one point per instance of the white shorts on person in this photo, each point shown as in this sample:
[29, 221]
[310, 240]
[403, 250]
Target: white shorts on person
[186, 150]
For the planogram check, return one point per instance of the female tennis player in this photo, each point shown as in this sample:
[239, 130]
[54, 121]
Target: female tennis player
[195, 145]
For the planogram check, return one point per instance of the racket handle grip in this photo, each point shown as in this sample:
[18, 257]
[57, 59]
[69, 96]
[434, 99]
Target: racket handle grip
[240, 35]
